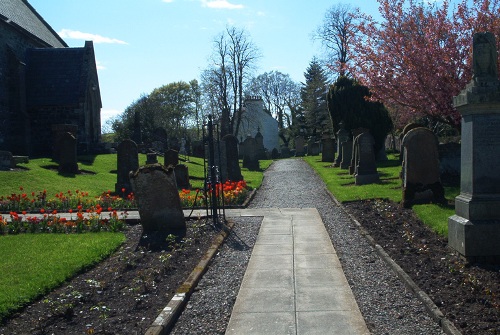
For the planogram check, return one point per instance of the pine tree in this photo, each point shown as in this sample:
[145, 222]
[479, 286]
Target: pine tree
[313, 94]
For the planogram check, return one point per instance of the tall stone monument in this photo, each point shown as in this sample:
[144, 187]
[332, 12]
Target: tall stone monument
[127, 160]
[474, 230]
[343, 135]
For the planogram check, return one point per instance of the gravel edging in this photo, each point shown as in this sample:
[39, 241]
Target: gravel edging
[434, 311]
[167, 317]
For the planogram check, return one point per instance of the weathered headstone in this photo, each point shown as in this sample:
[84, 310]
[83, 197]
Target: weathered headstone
[285, 152]
[346, 154]
[261, 150]
[151, 158]
[171, 157]
[233, 165]
[67, 154]
[342, 136]
[327, 148]
[421, 178]
[59, 130]
[158, 200]
[313, 148]
[355, 156]
[182, 176]
[405, 131]
[275, 154]
[299, 146]
[127, 160]
[474, 230]
[5, 160]
[366, 168]
[250, 160]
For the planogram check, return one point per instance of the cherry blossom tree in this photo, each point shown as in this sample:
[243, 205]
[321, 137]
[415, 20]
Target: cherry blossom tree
[419, 56]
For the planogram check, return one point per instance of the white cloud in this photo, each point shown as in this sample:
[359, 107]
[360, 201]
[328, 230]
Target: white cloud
[78, 35]
[220, 4]
[100, 66]
[107, 114]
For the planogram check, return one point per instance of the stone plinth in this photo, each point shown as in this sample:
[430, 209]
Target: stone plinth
[474, 230]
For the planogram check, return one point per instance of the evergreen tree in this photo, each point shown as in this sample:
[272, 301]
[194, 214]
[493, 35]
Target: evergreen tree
[348, 102]
[313, 94]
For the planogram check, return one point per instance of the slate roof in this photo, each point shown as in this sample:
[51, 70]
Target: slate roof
[20, 14]
[55, 76]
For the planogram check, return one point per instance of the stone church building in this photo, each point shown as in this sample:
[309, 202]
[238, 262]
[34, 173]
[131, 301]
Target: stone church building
[45, 86]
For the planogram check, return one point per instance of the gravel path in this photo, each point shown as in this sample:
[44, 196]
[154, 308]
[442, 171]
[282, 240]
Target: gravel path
[387, 306]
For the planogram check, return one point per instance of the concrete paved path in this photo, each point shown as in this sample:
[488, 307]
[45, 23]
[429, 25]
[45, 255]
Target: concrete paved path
[294, 283]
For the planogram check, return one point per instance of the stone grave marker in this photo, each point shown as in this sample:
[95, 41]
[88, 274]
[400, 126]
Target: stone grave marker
[127, 160]
[421, 177]
[299, 146]
[313, 148]
[59, 130]
[5, 160]
[261, 150]
[328, 148]
[354, 157]
[285, 152]
[366, 166]
[158, 200]
[182, 176]
[67, 154]
[250, 160]
[343, 135]
[233, 165]
[171, 158]
[346, 154]
[474, 230]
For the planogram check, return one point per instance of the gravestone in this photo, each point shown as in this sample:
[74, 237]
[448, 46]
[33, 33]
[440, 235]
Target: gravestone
[67, 154]
[366, 166]
[59, 130]
[354, 157]
[182, 176]
[151, 158]
[275, 154]
[346, 154]
[261, 151]
[5, 160]
[233, 165]
[405, 131]
[285, 152]
[328, 148]
[313, 148]
[474, 230]
[250, 160]
[342, 136]
[127, 160]
[171, 157]
[299, 146]
[421, 177]
[158, 200]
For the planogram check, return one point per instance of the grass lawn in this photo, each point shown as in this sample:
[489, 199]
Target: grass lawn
[342, 186]
[33, 264]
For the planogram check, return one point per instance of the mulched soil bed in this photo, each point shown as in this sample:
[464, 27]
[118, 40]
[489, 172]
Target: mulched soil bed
[468, 294]
[121, 295]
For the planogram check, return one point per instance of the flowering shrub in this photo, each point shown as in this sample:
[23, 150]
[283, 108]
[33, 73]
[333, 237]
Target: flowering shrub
[233, 193]
[63, 201]
[53, 223]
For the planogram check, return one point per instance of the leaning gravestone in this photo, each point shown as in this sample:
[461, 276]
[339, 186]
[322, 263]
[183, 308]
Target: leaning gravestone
[127, 160]
[474, 230]
[233, 164]
[299, 146]
[158, 200]
[250, 160]
[67, 154]
[421, 177]
[366, 168]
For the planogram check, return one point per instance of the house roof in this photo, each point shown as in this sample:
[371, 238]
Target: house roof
[21, 15]
[56, 76]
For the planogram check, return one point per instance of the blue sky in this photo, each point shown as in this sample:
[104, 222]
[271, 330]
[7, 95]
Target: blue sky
[144, 44]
